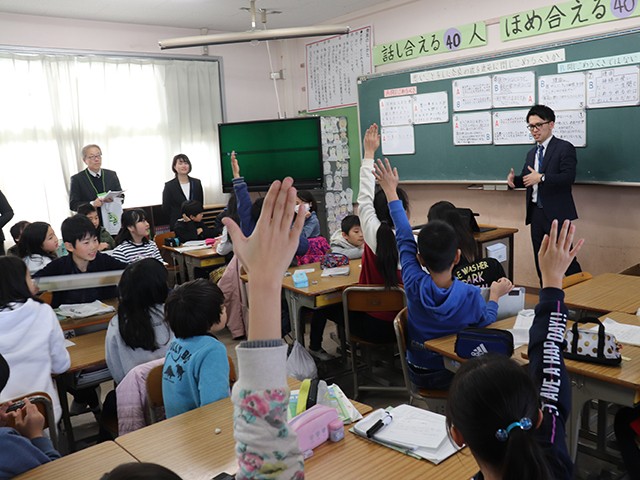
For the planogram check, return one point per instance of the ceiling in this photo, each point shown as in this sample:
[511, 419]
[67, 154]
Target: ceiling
[222, 15]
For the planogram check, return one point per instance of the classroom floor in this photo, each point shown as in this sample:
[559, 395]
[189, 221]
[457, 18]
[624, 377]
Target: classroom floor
[587, 467]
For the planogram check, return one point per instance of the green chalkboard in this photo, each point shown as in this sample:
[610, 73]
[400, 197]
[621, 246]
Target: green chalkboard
[611, 155]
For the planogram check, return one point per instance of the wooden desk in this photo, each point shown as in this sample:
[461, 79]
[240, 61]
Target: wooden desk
[609, 292]
[88, 464]
[498, 235]
[619, 385]
[324, 292]
[188, 260]
[92, 323]
[188, 445]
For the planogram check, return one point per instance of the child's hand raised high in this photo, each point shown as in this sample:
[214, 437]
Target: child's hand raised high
[387, 178]
[266, 254]
[371, 141]
[555, 254]
[235, 167]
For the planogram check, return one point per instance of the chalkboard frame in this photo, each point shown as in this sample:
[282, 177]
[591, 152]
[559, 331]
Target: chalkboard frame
[613, 142]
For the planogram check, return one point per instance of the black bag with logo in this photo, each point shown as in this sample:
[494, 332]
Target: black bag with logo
[475, 342]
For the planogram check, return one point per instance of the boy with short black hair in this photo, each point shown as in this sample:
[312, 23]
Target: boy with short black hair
[190, 226]
[439, 304]
[81, 241]
[16, 232]
[105, 240]
[196, 368]
[349, 240]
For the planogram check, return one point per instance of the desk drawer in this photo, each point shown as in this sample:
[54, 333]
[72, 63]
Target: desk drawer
[328, 299]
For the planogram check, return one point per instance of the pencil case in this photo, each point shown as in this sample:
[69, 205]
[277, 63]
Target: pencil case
[475, 342]
[312, 426]
[589, 346]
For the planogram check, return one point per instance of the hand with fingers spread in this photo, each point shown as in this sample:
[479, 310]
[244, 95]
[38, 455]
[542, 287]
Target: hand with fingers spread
[556, 253]
[371, 141]
[387, 178]
[266, 254]
[532, 178]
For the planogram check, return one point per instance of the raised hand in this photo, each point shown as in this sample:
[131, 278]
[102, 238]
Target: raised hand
[387, 178]
[235, 167]
[555, 254]
[371, 141]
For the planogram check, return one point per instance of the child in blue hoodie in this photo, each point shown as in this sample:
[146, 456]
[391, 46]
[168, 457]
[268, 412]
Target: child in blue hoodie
[439, 304]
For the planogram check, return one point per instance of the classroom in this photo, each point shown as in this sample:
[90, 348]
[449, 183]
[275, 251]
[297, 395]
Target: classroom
[607, 219]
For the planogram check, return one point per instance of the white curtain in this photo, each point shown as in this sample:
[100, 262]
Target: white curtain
[141, 112]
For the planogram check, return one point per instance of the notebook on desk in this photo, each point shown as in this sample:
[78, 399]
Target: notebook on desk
[413, 431]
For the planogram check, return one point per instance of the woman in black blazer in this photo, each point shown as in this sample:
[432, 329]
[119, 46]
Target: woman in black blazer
[180, 189]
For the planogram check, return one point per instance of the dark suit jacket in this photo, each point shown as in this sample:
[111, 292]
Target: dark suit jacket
[559, 167]
[6, 214]
[173, 198]
[82, 190]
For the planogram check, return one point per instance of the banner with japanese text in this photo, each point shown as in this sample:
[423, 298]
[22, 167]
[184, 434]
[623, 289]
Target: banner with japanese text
[565, 16]
[443, 41]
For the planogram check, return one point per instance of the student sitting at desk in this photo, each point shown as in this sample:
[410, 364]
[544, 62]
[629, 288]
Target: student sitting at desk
[349, 240]
[31, 338]
[514, 423]
[138, 333]
[106, 240]
[80, 239]
[196, 368]
[38, 246]
[265, 445]
[132, 242]
[481, 272]
[438, 303]
[16, 232]
[191, 227]
[25, 446]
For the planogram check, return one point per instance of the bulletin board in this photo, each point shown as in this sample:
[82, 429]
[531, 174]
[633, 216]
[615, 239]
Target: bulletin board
[612, 134]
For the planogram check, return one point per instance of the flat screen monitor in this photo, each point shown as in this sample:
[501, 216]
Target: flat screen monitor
[269, 150]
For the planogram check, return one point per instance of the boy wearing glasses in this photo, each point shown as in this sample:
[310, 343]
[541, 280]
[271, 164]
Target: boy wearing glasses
[548, 174]
[89, 184]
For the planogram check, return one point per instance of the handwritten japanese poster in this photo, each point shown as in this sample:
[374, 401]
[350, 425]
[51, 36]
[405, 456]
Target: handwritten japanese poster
[333, 67]
[398, 140]
[562, 91]
[613, 87]
[431, 108]
[396, 111]
[471, 93]
[442, 41]
[510, 127]
[472, 128]
[514, 89]
[564, 16]
[571, 125]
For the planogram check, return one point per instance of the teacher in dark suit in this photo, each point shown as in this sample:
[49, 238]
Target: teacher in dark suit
[180, 189]
[548, 174]
[88, 185]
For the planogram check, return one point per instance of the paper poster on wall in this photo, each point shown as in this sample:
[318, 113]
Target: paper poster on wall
[398, 140]
[333, 67]
[471, 93]
[431, 108]
[510, 128]
[396, 111]
[562, 91]
[613, 87]
[514, 89]
[472, 128]
[571, 125]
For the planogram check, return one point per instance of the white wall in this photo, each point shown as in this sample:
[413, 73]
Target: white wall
[609, 216]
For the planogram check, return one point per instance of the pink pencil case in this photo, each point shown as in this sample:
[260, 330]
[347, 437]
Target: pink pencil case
[312, 426]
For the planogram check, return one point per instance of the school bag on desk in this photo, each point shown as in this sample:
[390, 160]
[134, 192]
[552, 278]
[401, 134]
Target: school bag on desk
[588, 345]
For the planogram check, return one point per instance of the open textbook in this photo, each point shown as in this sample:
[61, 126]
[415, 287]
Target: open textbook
[413, 431]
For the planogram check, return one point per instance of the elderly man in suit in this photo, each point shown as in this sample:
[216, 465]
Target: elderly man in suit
[548, 174]
[88, 185]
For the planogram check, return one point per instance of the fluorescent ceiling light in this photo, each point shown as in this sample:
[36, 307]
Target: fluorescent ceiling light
[253, 36]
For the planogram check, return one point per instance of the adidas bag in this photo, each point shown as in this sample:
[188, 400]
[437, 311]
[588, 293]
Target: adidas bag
[475, 342]
[589, 346]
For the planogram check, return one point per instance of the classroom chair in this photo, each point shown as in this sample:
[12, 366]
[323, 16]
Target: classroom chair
[436, 400]
[155, 402]
[370, 298]
[43, 401]
[575, 279]
[172, 268]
